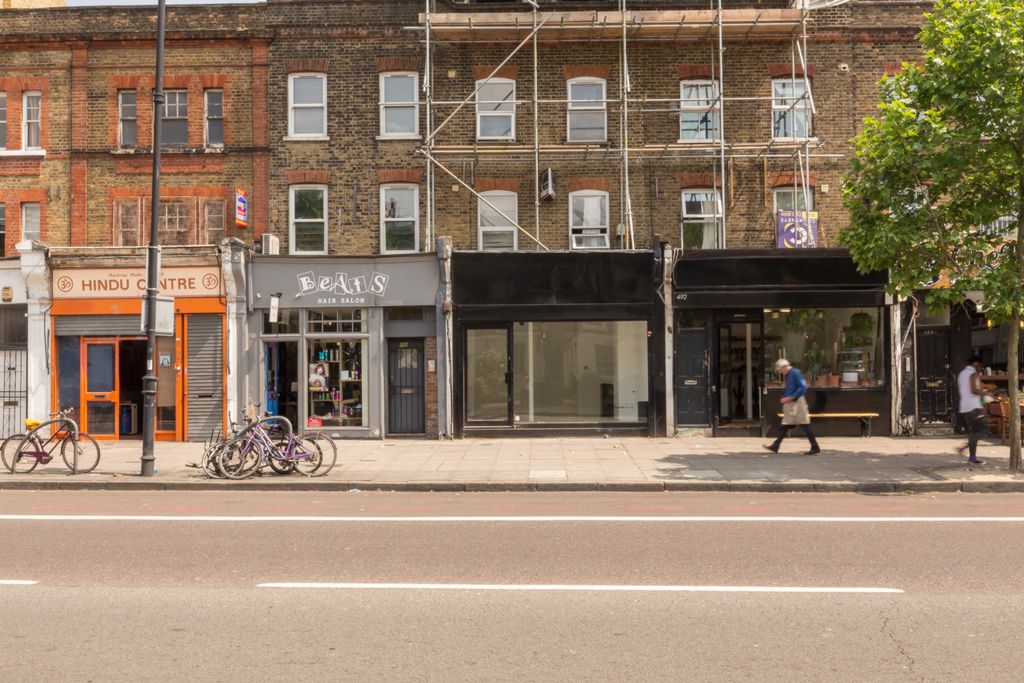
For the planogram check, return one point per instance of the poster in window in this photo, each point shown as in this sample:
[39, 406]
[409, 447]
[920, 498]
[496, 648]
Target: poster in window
[318, 375]
[797, 230]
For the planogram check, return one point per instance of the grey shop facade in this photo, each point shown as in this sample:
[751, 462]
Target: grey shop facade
[346, 345]
[737, 311]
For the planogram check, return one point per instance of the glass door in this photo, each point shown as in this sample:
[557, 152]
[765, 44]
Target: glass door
[488, 376]
[100, 387]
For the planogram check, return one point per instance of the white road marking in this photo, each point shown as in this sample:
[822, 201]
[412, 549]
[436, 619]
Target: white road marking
[500, 518]
[582, 587]
[17, 582]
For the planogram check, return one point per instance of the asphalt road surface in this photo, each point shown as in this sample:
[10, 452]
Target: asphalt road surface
[100, 586]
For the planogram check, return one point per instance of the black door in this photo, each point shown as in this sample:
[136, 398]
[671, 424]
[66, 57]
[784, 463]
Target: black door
[933, 375]
[691, 377]
[406, 383]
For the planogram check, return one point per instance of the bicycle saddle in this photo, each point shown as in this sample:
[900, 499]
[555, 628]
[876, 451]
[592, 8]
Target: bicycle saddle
[32, 424]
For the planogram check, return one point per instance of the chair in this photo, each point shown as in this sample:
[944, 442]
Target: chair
[997, 418]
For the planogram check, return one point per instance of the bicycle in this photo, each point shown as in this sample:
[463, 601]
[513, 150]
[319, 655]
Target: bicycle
[31, 449]
[209, 462]
[312, 455]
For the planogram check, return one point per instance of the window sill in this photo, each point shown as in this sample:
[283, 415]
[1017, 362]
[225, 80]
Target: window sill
[307, 138]
[34, 153]
[307, 253]
[496, 141]
[167, 149]
[384, 138]
[796, 140]
[699, 141]
[392, 252]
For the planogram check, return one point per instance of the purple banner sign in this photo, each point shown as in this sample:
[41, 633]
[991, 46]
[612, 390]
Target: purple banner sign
[797, 230]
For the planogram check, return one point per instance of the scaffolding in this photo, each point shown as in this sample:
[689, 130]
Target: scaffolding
[712, 27]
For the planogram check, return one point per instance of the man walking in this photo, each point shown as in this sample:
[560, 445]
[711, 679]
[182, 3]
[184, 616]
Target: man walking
[968, 384]
[794, 407]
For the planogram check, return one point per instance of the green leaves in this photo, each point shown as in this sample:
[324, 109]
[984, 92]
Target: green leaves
[944, 158]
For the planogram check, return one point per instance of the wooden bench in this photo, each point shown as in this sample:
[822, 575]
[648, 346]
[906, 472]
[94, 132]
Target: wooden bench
[865, 419]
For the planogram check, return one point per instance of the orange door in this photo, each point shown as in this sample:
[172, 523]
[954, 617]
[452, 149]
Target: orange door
[100, 388]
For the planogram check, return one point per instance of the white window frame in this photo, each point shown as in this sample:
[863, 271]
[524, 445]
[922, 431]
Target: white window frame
[415, 217]
[207, 117]
[801, 109]
[607, 212]
[121, 118]
[514, 215]
[586, 106]
[3, 120]
[39, 217]
[292, 107]
[292, 189]
[184, 209]
[700, 218]
[480, 115]
[788, 189]
[177, 108]
[26, 122]
[414, 104]
[204, 218]
[714, 110]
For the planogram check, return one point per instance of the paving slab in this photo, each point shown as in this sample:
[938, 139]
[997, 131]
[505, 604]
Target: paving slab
[614, 463]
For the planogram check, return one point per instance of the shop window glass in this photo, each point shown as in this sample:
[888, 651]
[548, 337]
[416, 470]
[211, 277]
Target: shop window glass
[287, 322]
[167, 387]
[335, 385]
[566, 372]
[69, 373]
[336, 320]
[833, 347]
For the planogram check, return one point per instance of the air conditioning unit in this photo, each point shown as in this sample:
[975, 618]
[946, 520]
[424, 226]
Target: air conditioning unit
[547, 184]
[270, 245]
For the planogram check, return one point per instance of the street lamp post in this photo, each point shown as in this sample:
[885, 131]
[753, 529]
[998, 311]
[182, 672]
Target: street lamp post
[153, 261]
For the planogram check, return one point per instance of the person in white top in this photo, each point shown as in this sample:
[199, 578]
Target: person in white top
[968, 384]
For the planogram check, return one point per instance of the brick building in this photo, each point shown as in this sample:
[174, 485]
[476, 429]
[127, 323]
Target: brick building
[76, 117]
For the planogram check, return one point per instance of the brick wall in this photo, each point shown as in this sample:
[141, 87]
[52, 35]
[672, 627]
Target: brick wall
[82, 58]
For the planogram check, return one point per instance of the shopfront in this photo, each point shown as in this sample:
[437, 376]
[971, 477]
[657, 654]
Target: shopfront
[554, 342]
[347, 346]
[13, 347]
[737, 312]
[100, 350]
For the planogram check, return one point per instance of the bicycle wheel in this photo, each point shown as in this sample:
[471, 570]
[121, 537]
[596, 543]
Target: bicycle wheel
[320, 454]
[88, 453]
[11, 452]
[210, 461]
[239, 459]
[281, 466]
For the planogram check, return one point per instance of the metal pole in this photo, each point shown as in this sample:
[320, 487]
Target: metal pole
[153, 260]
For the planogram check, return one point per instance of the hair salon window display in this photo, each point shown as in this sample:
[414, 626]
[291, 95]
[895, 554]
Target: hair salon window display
[335, 384]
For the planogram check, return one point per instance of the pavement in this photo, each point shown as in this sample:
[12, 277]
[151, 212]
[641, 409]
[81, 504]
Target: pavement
[877, 464]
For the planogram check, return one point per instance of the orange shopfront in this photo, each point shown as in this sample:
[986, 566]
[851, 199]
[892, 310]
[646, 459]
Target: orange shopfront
[100, 351]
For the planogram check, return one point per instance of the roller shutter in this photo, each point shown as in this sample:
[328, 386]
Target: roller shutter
[205, 393]
[97, 326]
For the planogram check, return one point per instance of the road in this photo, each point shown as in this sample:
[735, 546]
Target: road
[532, 586]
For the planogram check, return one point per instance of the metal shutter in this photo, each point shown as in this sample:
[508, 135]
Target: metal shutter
[205, 399]
[98, 326]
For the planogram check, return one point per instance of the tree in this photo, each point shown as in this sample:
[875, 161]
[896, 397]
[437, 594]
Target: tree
[942, 163]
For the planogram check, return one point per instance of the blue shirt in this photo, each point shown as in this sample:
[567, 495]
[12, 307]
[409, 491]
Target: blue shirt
[795, 384]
